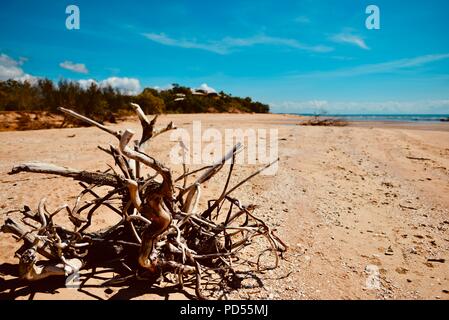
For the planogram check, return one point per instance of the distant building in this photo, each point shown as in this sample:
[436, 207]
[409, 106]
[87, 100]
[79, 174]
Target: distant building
[180, 97]
[198, 92]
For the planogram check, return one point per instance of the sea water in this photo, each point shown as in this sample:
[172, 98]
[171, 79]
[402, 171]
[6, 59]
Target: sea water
[388, 117]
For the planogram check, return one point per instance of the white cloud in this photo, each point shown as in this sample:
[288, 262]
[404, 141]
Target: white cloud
[27, 77]
[75, 67]
[130, 86]
[86, 83]
[228, 44]
[363, 107]
[11, 69]
[125, 85]
[208, 89]
[351, 39]
[309, 106]
[378, 68]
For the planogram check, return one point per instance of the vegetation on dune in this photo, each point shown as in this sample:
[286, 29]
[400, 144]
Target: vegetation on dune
[101, 102]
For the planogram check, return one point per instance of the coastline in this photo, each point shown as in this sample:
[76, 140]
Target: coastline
[438, 122]
[391, 124]
[430, 126]
[24, 121]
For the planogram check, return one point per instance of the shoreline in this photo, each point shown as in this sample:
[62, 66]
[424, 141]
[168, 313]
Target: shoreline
[410, 125]
[392, 124]
[429, 125]
[12, 121]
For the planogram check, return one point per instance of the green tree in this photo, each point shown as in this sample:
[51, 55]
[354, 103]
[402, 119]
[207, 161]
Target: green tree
[150, 103]
[101, 103]
[47, 95]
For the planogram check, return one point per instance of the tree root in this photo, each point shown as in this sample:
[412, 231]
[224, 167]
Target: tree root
[160, 231]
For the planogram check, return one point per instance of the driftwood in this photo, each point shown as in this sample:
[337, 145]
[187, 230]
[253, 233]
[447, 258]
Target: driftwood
[105, 179]
[418, 158]
[324, 122]
[161, 231]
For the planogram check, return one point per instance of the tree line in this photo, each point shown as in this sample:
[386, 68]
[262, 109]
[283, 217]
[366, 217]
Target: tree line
[100, 102]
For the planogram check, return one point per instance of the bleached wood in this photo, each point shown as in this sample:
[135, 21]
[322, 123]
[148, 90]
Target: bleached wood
[90, 121]
[17, 229]
[105, 179]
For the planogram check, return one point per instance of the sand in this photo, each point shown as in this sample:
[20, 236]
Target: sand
[347, 200]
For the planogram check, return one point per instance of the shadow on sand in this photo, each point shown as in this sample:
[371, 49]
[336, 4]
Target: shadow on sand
[13, 287]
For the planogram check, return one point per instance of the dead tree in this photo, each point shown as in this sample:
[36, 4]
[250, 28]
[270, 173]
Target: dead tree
[160, 233]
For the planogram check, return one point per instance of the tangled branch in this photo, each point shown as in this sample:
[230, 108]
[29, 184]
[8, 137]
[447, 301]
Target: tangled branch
[160, 233]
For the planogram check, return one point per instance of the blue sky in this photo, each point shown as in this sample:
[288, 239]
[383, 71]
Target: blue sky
[298, 56]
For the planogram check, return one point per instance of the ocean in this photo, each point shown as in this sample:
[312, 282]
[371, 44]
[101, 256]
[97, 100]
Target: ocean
[388, 117]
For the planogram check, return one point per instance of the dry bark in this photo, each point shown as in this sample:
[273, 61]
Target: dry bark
[160, 232]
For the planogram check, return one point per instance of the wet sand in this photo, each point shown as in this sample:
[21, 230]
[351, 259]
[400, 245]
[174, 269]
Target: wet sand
[430, 126]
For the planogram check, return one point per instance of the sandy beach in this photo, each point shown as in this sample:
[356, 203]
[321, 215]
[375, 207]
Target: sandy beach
[347, 200]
